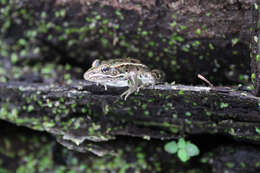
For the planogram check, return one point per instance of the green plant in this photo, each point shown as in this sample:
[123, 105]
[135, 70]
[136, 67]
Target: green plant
[184, 149]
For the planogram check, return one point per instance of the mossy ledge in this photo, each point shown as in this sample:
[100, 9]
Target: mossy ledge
[83, 111]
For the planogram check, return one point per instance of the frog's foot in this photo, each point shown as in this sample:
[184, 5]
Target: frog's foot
[138, 88]
[128, 92]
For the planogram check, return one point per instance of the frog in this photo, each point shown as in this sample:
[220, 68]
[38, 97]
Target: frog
[123, 72]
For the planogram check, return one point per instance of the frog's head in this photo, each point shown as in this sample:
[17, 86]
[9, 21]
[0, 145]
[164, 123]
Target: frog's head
[101, 72]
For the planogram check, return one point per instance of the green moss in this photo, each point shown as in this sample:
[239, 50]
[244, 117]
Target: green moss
[257, 130]
[30, 108]
[211, 46]
[243, 165]
[208, 113]
[188, 114]
[223, 105]
[48, 124]
[14, 58]
[83, 110]
[181, 92]
[144, 33]
[253, 76]
[146, 113]
[144, 106]
[230, 164]
[198, 31]
[256, 39]
[150, 54]
[208, 14]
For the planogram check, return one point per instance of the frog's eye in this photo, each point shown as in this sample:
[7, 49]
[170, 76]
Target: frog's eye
[105, 69]
[96, 63]
[114, 71]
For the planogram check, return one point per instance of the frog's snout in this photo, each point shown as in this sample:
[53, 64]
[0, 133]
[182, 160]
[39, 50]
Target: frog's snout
[87, 75]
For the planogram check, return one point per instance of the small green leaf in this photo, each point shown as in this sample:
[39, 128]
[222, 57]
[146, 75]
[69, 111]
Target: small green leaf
[192, 150]
[181, 143]
[171, 147]
[183, 156]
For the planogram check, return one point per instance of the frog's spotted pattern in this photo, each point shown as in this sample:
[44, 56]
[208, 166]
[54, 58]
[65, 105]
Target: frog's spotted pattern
[123, 72]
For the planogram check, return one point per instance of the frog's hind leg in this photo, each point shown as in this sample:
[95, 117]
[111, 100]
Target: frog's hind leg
[132, 84]
[127, 93]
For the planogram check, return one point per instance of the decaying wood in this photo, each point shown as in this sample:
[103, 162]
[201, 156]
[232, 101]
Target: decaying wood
[255, 43]
[83, 111]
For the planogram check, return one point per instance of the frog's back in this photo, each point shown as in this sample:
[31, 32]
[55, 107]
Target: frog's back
[121, 60]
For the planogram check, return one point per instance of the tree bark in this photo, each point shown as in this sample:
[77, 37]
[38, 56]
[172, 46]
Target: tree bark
[165, 112]
[255, 63]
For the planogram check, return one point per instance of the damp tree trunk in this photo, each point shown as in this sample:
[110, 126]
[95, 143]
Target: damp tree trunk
[47, 45]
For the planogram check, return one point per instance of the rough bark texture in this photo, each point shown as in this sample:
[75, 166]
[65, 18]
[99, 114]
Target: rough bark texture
[164, 112]
[85, 118]
[255, 63]
[24, 150]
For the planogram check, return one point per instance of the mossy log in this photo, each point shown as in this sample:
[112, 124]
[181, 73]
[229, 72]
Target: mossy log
[37, 151]
[86, 118]
[83, 111]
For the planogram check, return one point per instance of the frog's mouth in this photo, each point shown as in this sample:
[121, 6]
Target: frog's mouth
[112, 80]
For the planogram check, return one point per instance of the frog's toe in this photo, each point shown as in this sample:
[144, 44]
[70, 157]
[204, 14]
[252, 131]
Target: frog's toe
[124, 94]
[127, 93]
[138, 88]
[121, 96]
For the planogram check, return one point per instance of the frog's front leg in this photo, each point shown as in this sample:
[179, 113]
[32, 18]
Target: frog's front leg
[132, 84]
[105, 87]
